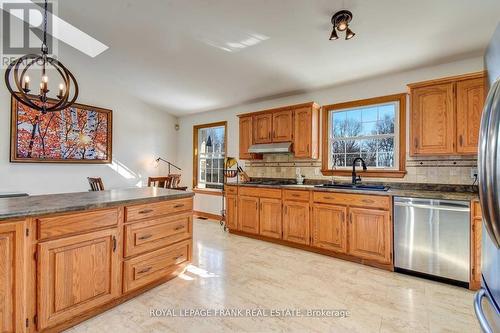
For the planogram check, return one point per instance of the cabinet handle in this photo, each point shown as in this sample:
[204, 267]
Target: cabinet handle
[145, 237]
[145, 211]
[350, 218]
[460, 140]
[178, 257]
[286, 210]
[114, 244]
[342, 218]
[179, 228]
[307, 147]
[179, 206]
[145, 270]
[295, 195]
[274, 134]
[416, 142]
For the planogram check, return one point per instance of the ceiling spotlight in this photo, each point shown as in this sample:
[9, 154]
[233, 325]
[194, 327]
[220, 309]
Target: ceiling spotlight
[334, 35]
[340, 21]
[349, 34]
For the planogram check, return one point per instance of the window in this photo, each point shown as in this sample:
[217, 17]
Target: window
[209, 154]
[373, 129]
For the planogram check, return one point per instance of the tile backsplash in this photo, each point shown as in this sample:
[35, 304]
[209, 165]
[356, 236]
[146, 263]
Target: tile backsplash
[442, 170]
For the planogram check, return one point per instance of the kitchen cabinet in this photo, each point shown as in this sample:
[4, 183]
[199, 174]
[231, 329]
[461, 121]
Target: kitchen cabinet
[270, 217]
[475, 241]
[248, 214]
[232, 212]
[282, 126]
[446, 114]
[470, 102]
[329, 229]
[306, 132]
[11, 278]
[246, 139]
[77, 274]
[370, 234]
[262, 128]
[433, 120]
[296, 222]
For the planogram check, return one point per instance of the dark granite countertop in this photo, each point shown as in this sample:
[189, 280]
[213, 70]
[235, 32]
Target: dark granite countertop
[437, 191]
[67, 202]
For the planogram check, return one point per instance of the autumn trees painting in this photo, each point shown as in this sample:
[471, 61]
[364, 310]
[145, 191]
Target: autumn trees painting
[77, 134]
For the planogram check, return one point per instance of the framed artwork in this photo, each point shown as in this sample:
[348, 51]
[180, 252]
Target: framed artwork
[78, 134]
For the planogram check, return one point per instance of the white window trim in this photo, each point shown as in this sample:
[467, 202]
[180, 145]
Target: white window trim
[396, 136]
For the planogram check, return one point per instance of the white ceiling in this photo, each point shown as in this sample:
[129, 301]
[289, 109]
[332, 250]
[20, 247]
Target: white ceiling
[185, 56]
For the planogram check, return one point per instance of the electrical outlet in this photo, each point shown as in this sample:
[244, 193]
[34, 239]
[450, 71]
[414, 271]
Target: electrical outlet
[473, 173]
[317, 172]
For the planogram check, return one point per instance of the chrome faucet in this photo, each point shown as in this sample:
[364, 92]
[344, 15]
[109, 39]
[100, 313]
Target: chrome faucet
[355, 178]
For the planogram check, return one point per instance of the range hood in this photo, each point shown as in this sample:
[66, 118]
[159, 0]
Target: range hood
[282, 147]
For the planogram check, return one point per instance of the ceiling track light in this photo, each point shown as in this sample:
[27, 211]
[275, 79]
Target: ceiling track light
[340, 21]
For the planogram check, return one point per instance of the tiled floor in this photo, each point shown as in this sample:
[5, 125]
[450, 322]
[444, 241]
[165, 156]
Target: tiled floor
[239, 273]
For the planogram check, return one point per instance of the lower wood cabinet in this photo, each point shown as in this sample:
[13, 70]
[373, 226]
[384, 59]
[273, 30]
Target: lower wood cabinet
[232, 212]
[370, 234]
[248, 214]
[329, 227]
[145, 269]
[296, 222]
[11, 277]
[77, 274]
[270, 217]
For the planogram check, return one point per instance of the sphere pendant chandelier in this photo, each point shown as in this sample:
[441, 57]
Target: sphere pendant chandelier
[41, 102]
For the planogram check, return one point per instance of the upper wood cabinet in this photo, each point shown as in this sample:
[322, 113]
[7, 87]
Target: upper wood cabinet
[77, 274]
[282, 126]
[262, 128]
[296, 222]
[329, 230]
[11, 278]
[446, 115]
[298, 124]
[470, 100]
[306, 132]
[246, 139]
[248, 214]
[370, 235]
[270, 217]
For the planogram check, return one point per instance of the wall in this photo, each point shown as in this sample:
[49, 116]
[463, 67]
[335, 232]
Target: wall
[457, 170]
[140, 133]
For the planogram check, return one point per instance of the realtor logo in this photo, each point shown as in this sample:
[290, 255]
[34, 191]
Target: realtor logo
[22, 31]
[22, 28]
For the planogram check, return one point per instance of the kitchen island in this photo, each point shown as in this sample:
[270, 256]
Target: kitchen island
[68, 257]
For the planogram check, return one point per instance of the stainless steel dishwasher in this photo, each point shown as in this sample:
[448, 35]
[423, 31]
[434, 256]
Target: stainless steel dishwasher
[432, 238]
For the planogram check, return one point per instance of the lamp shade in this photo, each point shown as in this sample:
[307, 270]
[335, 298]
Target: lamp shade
[209, 141]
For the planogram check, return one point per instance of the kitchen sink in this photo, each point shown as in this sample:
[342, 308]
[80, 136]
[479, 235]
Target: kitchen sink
[355, 187]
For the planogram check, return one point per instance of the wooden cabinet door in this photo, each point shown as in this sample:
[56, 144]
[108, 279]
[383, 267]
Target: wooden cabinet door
[470, 102]
[248, 214]
[262, 128]
[296, 222]
[329, 229]
[306, 133]
[282, 126]
[77, 274]
[270, 217]
[11, 277]
[433, 120]
[246, 137]
[232, 212]
[370, 234]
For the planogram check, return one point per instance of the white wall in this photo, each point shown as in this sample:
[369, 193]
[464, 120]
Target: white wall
[140, 133]
[372, 87]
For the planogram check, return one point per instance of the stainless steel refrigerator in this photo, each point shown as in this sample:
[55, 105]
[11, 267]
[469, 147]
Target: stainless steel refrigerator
[487, 299]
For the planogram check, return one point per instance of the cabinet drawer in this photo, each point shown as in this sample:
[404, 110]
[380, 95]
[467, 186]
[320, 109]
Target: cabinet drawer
[145, 269]
[260, 192]
[68, 224]
[139, 212]
[360, 200]
[150, 235]
[296, 195]
[231, 190]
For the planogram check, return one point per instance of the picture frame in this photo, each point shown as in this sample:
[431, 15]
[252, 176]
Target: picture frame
[79, 134]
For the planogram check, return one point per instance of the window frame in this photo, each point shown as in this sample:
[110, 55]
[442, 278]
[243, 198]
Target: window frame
[399, 171]
[196, 128]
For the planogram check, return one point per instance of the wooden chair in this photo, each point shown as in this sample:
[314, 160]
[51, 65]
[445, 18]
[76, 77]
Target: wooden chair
[164, 182]
[95, 184]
